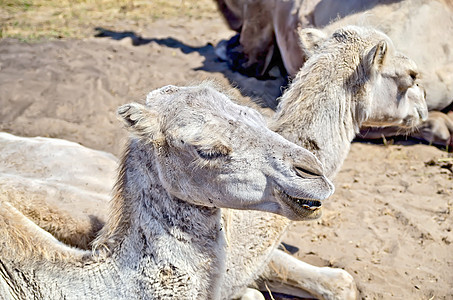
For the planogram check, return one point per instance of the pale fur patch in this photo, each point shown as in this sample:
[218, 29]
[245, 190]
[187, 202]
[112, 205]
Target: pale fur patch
[29, 241]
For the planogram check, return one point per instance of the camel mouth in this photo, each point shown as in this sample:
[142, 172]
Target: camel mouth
[302, 206]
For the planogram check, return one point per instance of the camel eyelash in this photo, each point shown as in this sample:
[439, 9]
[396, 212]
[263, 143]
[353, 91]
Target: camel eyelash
[209, 155]
[217, 151]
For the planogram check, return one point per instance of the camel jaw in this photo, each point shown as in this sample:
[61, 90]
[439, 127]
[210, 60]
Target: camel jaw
[302, 207]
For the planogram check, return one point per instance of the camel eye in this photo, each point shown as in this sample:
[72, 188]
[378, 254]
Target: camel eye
[306, 173]
[413, 75]
[213, 152]
[209, 154]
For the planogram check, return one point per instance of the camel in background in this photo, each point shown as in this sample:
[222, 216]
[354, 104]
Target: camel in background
[322, 110]
[419, 28]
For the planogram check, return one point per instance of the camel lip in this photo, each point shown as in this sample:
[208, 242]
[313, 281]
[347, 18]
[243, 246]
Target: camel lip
[304, 204]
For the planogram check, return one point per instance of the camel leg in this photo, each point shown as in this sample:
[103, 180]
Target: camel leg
[437, 130]
[286, 274]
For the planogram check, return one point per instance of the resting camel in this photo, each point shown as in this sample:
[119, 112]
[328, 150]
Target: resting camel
[417, 27]
[323, 109]
[192, 152]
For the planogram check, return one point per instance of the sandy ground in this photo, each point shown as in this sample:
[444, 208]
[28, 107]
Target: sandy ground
[389, 223]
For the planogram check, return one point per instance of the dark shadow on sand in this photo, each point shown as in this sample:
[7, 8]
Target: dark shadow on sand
[262, 92]
[399, 140]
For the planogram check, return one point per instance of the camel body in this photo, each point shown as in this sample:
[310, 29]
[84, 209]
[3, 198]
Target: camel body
[69, 183]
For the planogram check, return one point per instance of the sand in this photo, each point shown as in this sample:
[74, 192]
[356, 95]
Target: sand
[389, 223]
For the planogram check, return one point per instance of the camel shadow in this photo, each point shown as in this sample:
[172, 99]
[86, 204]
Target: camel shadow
[263, 92]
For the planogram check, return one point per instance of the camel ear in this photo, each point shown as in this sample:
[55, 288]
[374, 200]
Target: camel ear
[310, 40]
[140, 121]
[378, 54]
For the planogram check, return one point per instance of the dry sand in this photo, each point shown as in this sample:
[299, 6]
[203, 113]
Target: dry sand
[389, 223]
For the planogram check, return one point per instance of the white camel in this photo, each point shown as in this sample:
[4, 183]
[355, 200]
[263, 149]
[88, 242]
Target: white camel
[351, 78]
[192, 152]
[322, 109]
[417, 27]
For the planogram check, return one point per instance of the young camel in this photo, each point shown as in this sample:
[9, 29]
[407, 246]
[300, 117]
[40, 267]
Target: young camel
[322, 110]
[418, 28]
[351, 78]
[192, 152]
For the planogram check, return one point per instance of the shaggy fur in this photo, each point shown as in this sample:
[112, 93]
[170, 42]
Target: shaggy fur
[192, 152]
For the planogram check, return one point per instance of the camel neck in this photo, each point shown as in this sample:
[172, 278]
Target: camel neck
[318, 119]
[163, 233]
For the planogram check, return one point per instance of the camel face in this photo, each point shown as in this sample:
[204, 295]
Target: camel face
[384, 82]
[398, 98]
[214, 153]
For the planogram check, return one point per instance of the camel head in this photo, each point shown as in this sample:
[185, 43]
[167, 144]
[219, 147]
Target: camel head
[397, 96]
[211, 152]
[383, 82]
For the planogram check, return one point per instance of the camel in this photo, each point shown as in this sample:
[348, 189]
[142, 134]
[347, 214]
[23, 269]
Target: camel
[322, 113]
[191, 153]
[322, 110]
[406, 22]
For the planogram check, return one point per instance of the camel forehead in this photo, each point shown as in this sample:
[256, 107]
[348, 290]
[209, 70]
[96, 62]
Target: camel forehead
[361, 31]
[200, 105]
[361, 35]
[213, 125]
[405, 62]
[370, 37]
